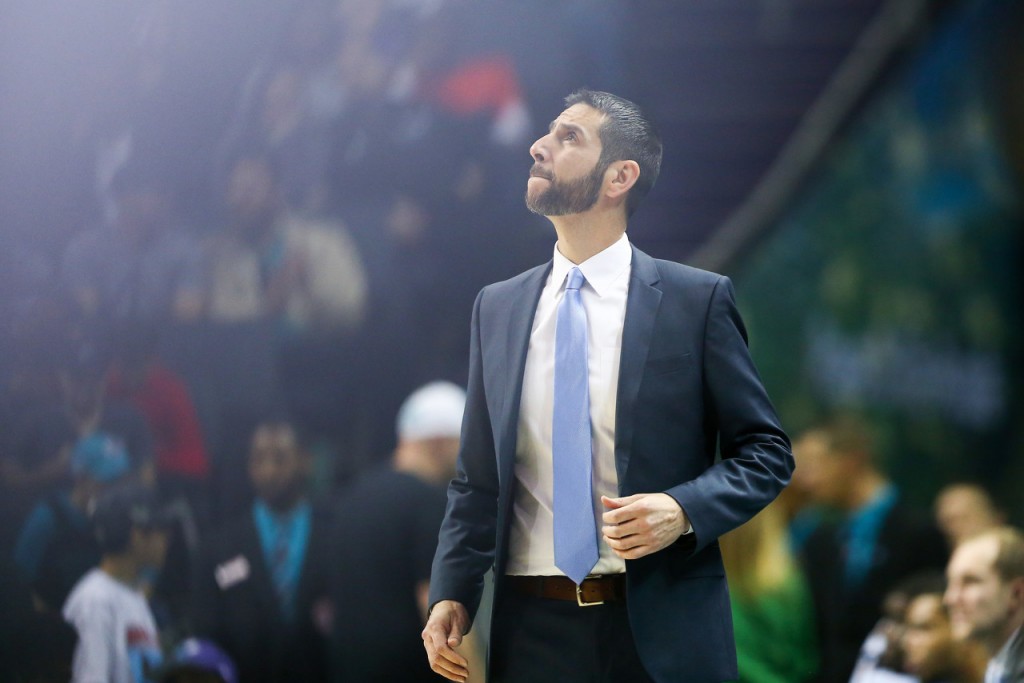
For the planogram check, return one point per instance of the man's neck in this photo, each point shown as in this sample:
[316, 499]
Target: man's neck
[583, 235]
[419, 465]
[864, 490]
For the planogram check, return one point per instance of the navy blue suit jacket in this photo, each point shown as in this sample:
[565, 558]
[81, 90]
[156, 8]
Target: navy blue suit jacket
[686, 385]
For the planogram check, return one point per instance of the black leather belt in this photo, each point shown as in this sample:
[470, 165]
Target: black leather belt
[594, 590]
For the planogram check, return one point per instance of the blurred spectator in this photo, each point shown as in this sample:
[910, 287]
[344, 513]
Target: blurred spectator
[851, 564]
[117, 636]
[269, 264]
[290, 101]
[56, 546]
[804, 512]
[985, 598]
[261, 591]
[296, 139]
[144, 265]
[772, 611]
[35, 647]
[964, 510]
[881, 655]
[929, 650]
[415, 95]
[294, 283]
[389, 584]
[31, 387]
[43, 453]
[140, 378]
[198, 661]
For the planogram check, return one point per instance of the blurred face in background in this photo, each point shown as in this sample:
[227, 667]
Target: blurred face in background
[439, 455]
[278, 467]
[928, 646]
[979, 601]
[821, 474]
[963, 511]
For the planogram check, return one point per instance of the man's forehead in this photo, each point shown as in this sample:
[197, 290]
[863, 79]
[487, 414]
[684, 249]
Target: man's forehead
[580, 115]
[962, 495]
[975, 556]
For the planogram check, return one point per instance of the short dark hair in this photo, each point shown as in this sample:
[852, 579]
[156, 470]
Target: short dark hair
[276, 417]
[625, 134]
[122, 508]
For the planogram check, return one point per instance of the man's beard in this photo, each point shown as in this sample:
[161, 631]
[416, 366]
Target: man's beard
[566, 198]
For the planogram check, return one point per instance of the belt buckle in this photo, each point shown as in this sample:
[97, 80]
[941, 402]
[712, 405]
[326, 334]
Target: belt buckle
[579, 597]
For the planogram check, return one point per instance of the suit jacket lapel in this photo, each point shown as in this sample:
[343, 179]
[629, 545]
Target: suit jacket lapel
[516, 334]
[262, 584]
[310, 577]
[642, 303]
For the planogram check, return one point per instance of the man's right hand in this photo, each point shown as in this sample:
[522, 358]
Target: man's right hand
[448, 621]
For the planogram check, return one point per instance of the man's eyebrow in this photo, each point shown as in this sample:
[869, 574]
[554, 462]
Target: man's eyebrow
[571, 126]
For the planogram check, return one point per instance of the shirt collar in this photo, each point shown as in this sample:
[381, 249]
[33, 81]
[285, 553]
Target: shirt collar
[1007, 653]
[280, 520]
[600, 270]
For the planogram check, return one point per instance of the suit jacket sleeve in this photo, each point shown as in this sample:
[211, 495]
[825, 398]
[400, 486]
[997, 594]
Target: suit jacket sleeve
[756, 461]
[466, 542]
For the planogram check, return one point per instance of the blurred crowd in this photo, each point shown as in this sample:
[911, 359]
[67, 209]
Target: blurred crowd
[204, 376]
[301, 208]
[122, 532]
[843, 579]
[248, 250]
[118, 561]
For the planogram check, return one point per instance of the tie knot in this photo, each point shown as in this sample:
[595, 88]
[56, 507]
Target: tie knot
[576, 279]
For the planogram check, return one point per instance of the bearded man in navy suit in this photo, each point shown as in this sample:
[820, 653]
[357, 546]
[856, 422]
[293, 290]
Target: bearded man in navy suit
[666, 381]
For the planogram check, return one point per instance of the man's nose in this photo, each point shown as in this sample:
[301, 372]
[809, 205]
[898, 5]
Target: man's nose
[538, 150]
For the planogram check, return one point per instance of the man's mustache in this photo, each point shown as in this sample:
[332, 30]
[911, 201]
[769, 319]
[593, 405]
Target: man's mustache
[537, 172]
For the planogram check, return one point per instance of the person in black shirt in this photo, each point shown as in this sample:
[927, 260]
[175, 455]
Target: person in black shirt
[876, 540]
[388, 587]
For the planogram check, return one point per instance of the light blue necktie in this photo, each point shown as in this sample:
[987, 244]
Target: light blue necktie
[575, 528]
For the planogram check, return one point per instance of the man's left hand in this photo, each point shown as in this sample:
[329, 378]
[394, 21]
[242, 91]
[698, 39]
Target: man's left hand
[641, 524]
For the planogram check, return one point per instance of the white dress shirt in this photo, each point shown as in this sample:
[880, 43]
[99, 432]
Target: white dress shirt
[531, 544]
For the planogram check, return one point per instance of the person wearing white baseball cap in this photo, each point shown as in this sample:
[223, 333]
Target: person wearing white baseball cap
[388, 524]
[428, 427]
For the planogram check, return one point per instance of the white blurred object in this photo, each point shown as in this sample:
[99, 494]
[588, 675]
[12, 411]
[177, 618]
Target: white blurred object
[432, 411]
[512, 124]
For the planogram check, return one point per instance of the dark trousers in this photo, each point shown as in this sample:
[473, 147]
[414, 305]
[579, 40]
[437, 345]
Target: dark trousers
[537, 640]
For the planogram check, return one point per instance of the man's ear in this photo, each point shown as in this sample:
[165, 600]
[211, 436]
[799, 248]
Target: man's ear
[620, 178]
[1017, 592]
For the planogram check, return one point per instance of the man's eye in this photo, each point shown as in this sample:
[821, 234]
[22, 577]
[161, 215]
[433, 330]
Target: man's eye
[571, 137]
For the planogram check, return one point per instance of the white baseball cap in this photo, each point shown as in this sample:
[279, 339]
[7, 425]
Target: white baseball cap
[432, 411]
